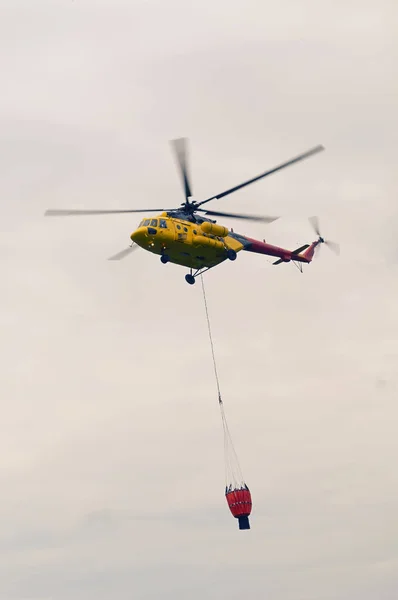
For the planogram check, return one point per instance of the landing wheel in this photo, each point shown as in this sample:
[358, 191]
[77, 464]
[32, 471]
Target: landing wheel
[231, 254]
[190, 279]
[164, 259]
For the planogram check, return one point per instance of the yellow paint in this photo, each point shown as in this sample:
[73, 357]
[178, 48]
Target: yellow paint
[215, 229]
[185, 243]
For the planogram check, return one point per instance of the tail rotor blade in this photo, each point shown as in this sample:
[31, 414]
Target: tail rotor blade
[124, 253]
[333, 246]
[181, 153]
[317, 251]
[315, 224]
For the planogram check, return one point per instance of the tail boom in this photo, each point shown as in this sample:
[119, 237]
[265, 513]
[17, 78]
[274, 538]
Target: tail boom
[304, 254]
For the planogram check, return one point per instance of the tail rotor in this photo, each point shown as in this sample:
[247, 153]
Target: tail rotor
[332, 245]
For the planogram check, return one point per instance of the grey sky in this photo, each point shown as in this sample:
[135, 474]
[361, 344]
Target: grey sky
[111, 440]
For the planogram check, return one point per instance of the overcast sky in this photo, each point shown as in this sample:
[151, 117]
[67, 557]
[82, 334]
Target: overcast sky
[112, 479]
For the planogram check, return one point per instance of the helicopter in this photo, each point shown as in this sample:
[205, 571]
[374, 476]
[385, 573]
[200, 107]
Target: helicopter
[185, 237]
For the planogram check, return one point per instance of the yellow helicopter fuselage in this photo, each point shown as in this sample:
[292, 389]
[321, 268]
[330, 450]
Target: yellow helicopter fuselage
[193, 245]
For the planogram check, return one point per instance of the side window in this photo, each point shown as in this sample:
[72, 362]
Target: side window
[147, 221]
[185, 229]
[162, 223]
[141, 224]
[178, 226]
[154, 223]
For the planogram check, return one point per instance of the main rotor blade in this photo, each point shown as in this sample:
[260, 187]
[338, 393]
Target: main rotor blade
[278, 168]
[66, 212]
[124, 253]
[180, 150]
[239, 216]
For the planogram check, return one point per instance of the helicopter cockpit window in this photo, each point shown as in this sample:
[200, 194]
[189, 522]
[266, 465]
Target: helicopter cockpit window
[162, 223]
[147, 221]
[154, 223]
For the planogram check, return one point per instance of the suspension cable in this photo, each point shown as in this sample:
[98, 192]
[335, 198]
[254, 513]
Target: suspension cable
[233, 472]
[211, 342]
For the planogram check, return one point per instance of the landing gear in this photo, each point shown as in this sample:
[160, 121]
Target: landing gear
[231, 254]
[164, 258]
[191, 277]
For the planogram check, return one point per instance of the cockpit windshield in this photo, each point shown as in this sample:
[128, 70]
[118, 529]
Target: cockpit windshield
[153, 223]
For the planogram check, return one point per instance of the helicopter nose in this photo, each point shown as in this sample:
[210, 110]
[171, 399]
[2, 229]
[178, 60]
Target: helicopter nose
[142, 234]
[138, 235]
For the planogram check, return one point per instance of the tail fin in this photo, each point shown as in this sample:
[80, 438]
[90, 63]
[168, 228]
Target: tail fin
[309, 254]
